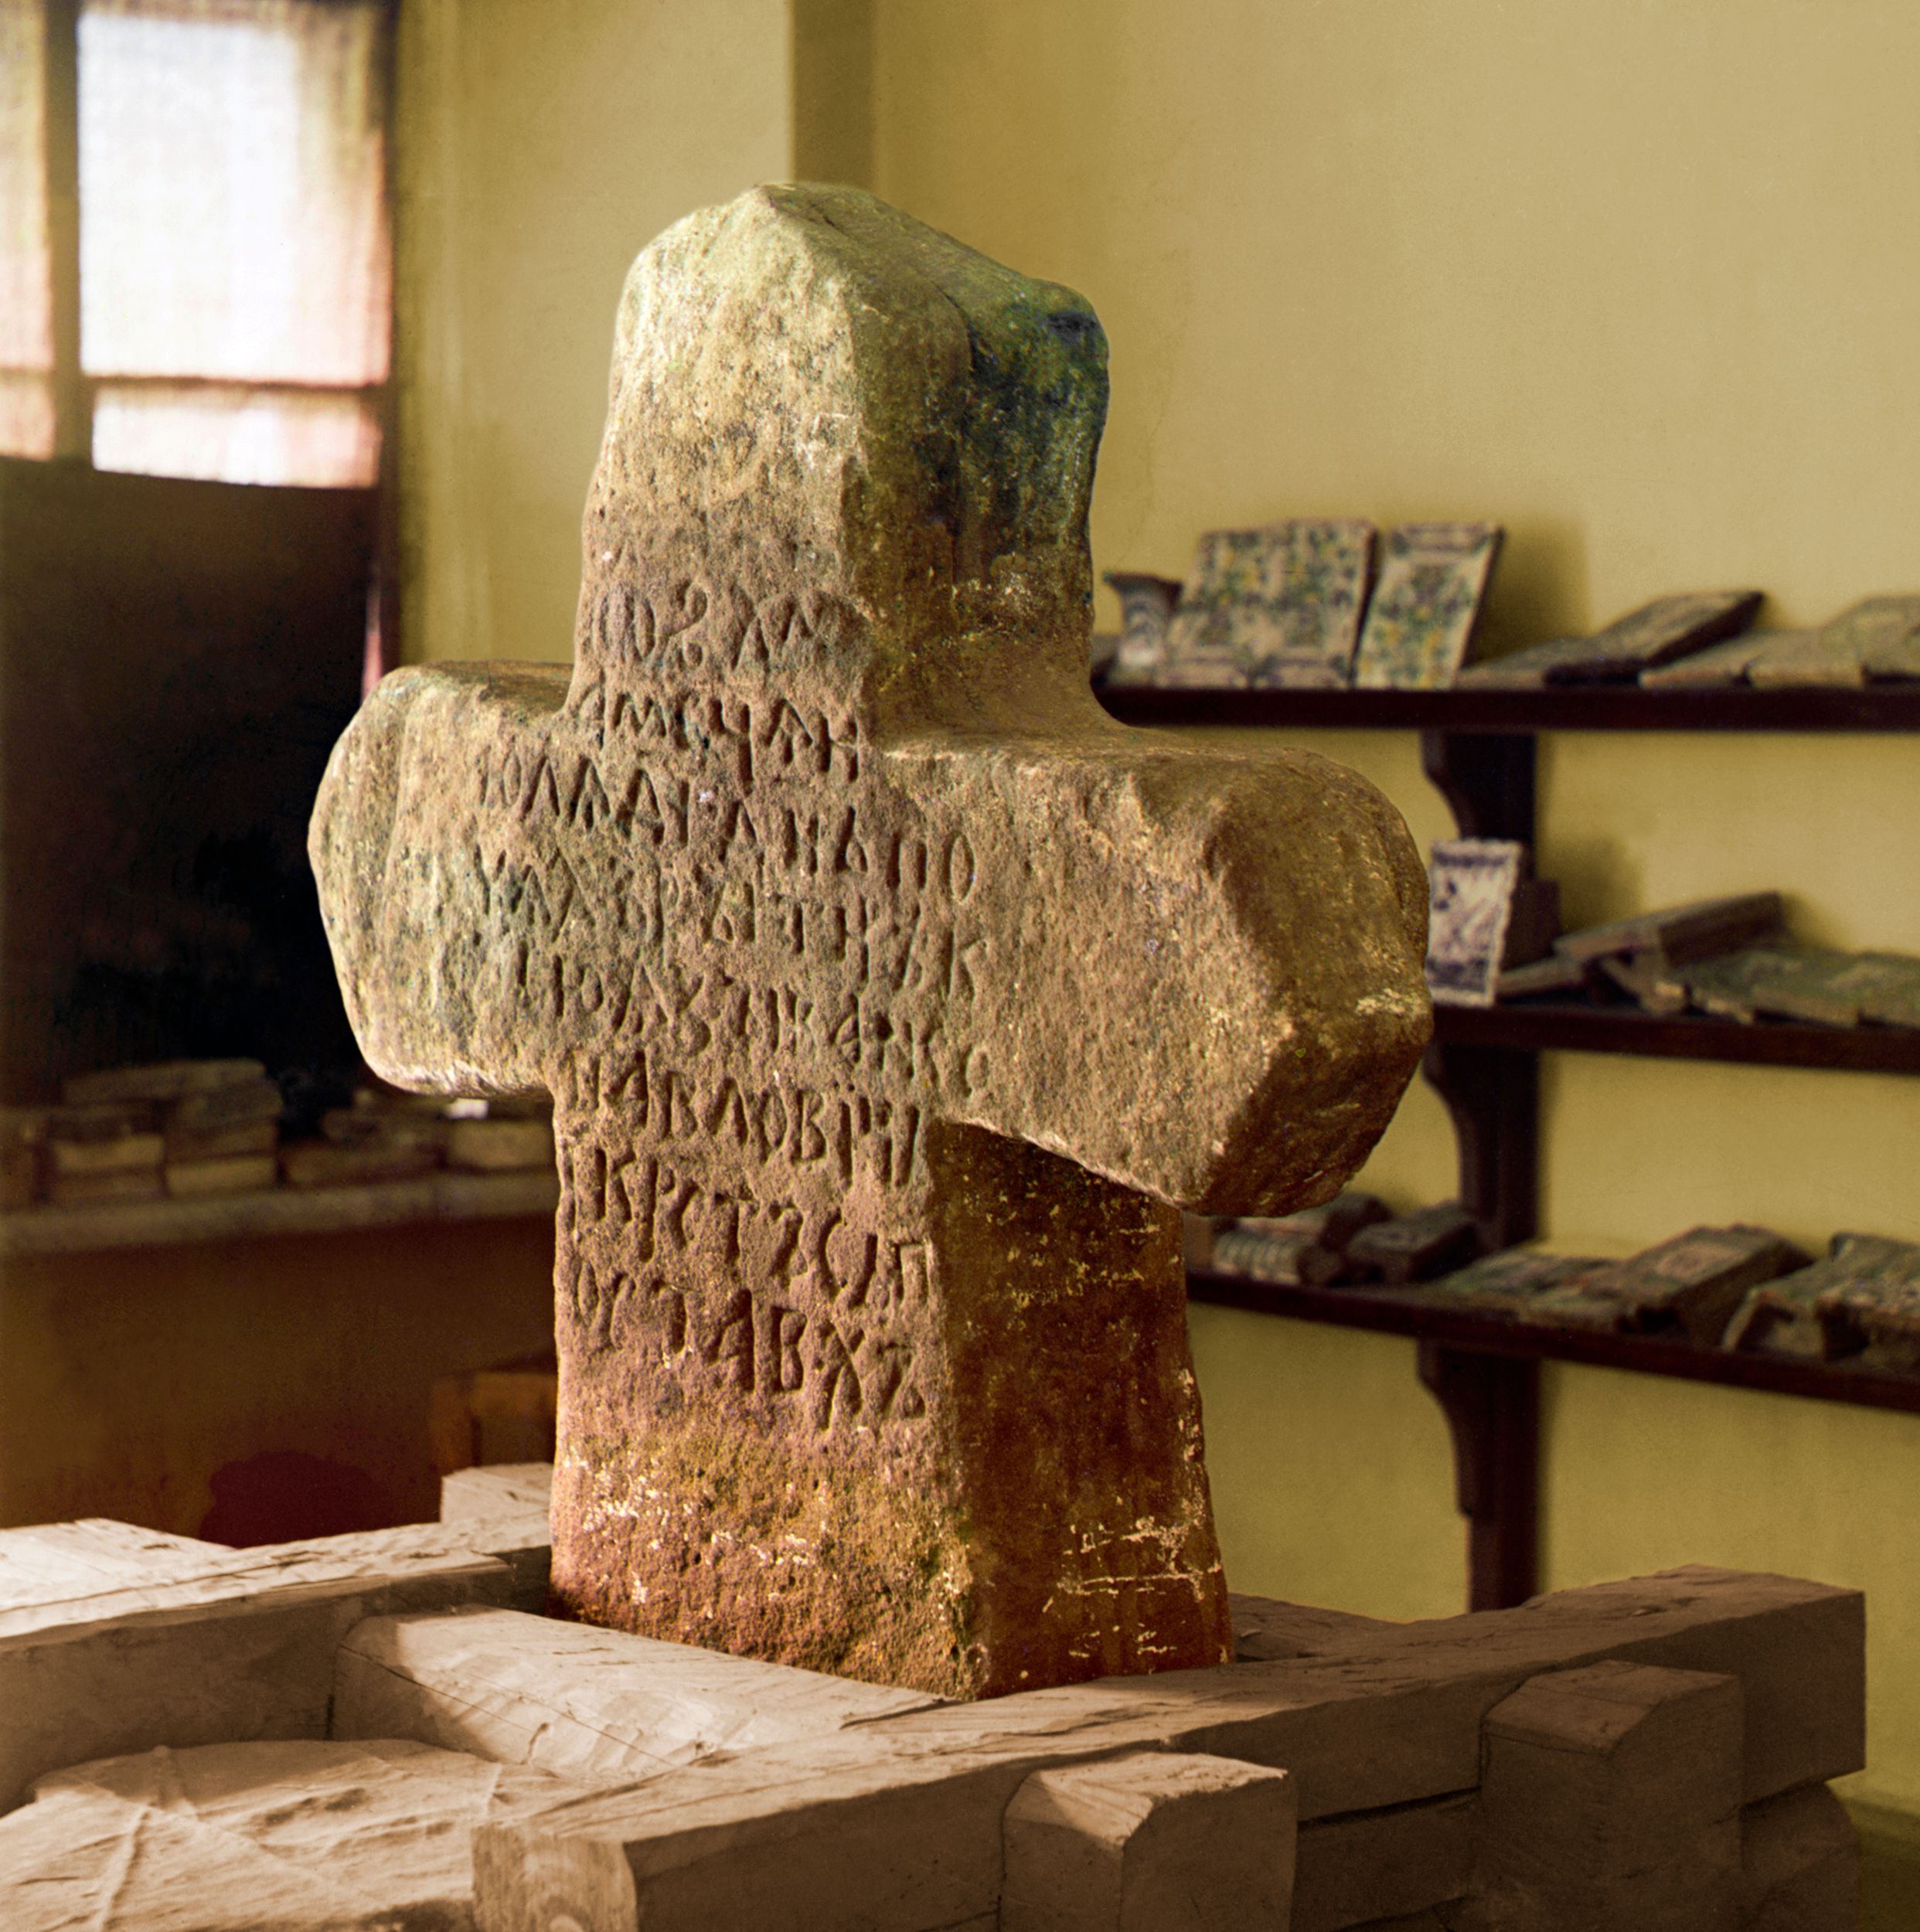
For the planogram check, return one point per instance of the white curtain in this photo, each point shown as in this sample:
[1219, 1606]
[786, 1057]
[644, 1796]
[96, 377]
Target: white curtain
[26, 301]
[231, 214]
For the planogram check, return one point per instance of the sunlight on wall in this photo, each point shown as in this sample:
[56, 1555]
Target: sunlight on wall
[543, 146]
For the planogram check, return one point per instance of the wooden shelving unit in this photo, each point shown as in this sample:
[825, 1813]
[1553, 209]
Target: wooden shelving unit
[1478, 748]
[1523, 713]
[1577, 1026]
[444, 1196]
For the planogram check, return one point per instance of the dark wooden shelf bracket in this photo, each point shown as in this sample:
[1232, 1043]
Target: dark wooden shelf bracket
[1492, 1405]
[1486, 777]
[1492, 1094]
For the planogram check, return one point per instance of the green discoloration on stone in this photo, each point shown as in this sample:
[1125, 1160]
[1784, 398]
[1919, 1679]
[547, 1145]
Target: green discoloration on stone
[827, 1568]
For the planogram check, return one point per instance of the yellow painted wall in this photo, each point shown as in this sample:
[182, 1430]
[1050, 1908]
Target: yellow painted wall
[1635, 279]
[543, 143]
[129, 1378]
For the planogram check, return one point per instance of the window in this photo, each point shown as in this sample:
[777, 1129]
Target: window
[229, 272]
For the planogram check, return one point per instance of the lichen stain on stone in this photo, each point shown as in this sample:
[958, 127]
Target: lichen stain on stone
[850, 1564]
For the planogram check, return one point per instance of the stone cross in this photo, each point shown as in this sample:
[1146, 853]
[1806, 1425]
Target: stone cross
[893, 999]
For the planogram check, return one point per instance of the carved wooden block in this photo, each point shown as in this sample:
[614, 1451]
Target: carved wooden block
[497, 1489]
[1611, 1797]
[300, 1837]
[1155, 1842]
[1360, 1870]
[583, 1703]
[1800, 1864]
[896, 1823]
[240, 1646]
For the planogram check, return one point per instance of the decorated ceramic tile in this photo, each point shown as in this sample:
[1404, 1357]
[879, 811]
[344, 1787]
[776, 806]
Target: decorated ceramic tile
[1471, 886]
[1659, 632]
[1877, 640]
[1277, 605]
[1146, 608]
[1524, 670]
[1432, 577]
[1668, 630]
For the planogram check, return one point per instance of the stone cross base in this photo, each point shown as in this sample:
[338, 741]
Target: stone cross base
[375, 1731]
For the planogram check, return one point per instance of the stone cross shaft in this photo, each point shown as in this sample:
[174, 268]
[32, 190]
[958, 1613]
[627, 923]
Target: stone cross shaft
[892, 999]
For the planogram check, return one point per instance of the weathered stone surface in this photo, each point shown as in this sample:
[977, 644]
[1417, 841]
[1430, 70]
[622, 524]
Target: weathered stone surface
[242, 1646]
[1611, 1797]
[1155, 1842]
[1800, 1864]
[1799, 1651]
[892, 997]
[594, 1704]
[258, 1838]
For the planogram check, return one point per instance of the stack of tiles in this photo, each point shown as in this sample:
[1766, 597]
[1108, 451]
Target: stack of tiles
[180, 1128]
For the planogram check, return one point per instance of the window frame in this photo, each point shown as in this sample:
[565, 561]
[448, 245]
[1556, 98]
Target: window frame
[73, 390]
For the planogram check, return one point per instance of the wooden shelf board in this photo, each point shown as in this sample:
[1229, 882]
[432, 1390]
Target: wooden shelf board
[1885, 708]
[1581, 1027]
[1387, 1312]
[276, 1211]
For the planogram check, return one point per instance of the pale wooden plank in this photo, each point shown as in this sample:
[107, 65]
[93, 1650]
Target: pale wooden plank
[241, 1649]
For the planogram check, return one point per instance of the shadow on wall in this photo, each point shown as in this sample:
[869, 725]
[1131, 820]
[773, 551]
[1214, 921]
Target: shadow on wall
[1889, 1868]
[1539, 589]
[286, 1495]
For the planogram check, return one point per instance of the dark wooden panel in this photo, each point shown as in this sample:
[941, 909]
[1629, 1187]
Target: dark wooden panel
[1487, 779]
[176, 661]
[1492, 1405]
[1493, 1097]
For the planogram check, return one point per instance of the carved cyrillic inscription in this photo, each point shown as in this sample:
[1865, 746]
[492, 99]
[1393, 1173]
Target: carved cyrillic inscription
[798, 943]
[663, 1215]
[685, 629]
[711, 1285]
